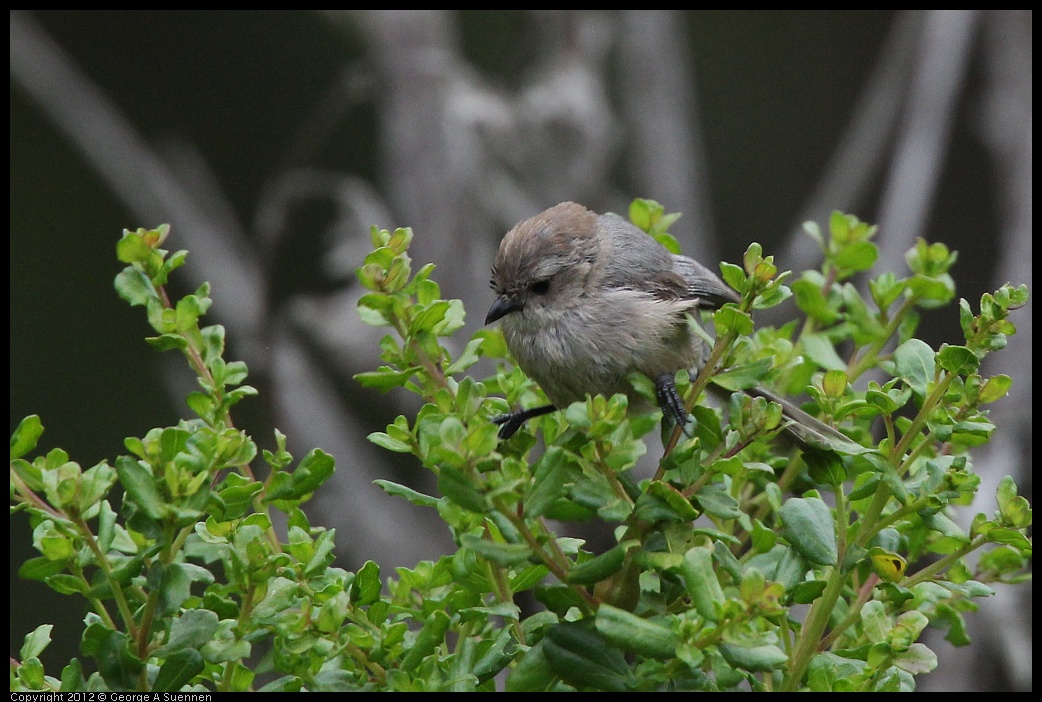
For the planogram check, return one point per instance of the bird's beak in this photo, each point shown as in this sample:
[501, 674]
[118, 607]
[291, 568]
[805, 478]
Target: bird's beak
[504, 305]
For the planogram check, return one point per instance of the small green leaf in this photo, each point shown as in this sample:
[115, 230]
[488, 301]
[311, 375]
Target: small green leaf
[918, 659]
[645, 213]
[1013, 508]
[754, 658]
[810, 528]
[995, 388]
[876, 623]
[581, 657]
[384, 441]
[417, 498]
[36, 641]
[314, 469]
[636, 634]
[41, 567]
[957, 359]
[731, 320]
[471, 354]
[532, 672]
[718, 502]
[141, 487]
[134, 286]
[599, 567]
[662, 501]
[500, 553]
[66, 584]
[365, 590]
[459, 487]
[117, 665]
[25, 436]
[167, 342]
[819, 349]
[386, 378]
[733, 275]
[549, 482]
[190, 631]
[745, 375]
[701, 582]
[430, 637]
[914, 363]
[857, 256]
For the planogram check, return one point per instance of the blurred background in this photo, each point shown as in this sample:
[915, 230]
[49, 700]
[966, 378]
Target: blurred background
[272, 141]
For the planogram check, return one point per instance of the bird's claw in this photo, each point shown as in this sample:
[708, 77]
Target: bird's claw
[510, 423]
[670, 402]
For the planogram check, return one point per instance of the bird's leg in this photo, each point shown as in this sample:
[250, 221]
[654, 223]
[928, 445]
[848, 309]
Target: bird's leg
[510, 423]
[670, 402]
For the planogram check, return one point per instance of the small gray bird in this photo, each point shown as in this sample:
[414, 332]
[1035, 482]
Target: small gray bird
[586, 299]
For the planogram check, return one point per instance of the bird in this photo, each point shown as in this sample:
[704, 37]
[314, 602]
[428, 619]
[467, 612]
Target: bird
[585, 299]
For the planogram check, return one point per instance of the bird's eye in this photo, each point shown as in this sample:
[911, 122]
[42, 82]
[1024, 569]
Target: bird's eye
[540, 288]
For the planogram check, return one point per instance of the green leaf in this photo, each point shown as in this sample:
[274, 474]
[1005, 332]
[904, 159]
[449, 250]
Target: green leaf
[36, 641]
[754, 658]
[385, 378]
[430, 637]
[957, 359]
[365, 590]
[532, 673]
[599, 567]
[314, 469]
[167, 342]
[718, 502]
[141, 487]
[1012, 537]
[745, 375]
[417, 498]
[471, 354]
[970, 588]
[857, 256]
[429, 317]
[499, 553]
[117, 665]
[876, 623]
[807, 591]
[636, 634]
[72, 677]
[190, 631]
[662, 501]
[25, 436]
[645, 213]
[30, 675]
[733, 275]
[581, 657]
[133, 247]
[176, 583]
[459, 487]
[811, 299]
[819, 349]
[1014, 509]
[701, 582]
[914, 363]
[41, 567]
[810, 528]
[824, 467]
[134, 287]
[995, 388]
[731, 320]
[384, 441]
[918, 659]
[549, 482]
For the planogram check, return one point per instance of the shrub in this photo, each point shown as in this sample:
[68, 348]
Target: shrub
[742, 563]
